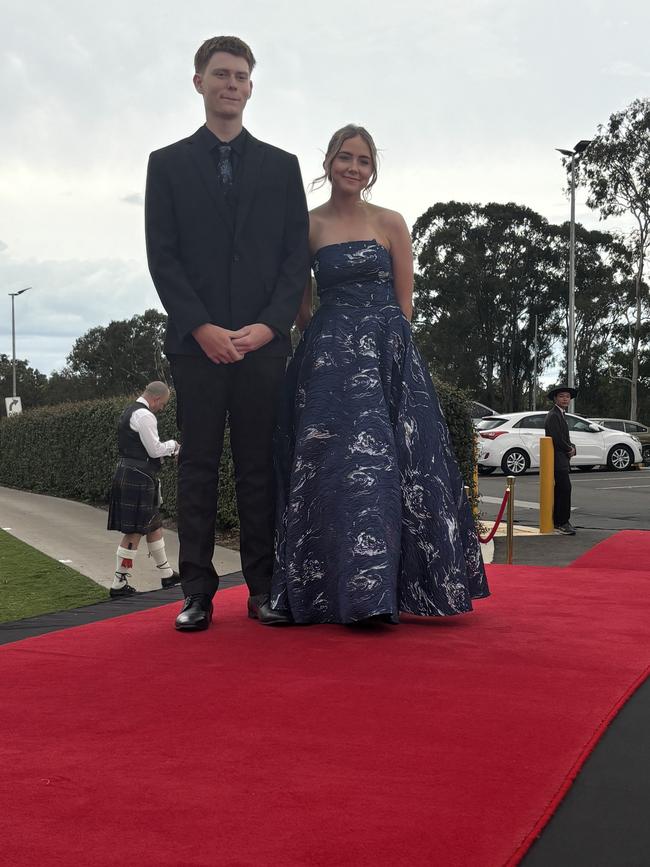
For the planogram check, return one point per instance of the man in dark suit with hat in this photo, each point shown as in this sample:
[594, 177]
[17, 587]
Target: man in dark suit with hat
[557, 428]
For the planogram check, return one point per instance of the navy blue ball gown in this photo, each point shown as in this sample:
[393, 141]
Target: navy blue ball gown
[372, 513]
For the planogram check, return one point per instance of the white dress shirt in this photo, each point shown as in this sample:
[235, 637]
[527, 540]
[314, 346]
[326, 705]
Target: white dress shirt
[145, 424]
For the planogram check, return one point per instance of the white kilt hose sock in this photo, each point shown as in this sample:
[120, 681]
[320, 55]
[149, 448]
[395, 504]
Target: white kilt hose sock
[123, 563]
[157, 552]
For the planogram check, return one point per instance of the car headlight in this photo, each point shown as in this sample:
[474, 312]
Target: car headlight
[636, 440]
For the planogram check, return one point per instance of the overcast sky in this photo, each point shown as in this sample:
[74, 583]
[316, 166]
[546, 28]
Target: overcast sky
[466, 101]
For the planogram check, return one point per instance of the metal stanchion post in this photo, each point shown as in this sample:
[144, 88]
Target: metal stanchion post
[511, 519]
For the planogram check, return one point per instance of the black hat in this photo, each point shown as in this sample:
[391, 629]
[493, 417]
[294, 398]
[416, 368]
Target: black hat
[558, 388]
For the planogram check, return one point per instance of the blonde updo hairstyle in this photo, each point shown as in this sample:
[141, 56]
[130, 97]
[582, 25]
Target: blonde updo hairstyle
[337, 141]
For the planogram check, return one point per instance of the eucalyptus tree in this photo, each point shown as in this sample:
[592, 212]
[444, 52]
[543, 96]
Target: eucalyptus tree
[604, 277]
[121, 357]
[615, 170]
[484, 273]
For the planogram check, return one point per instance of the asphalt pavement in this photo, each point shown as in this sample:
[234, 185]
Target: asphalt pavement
[601, 500]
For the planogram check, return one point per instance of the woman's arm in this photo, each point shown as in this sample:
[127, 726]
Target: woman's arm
[305, 311]
[402, 254]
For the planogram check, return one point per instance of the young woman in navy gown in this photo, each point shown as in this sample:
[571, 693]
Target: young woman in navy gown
[372, 513]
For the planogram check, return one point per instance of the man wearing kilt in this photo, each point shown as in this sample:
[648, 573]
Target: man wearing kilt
[135, 492]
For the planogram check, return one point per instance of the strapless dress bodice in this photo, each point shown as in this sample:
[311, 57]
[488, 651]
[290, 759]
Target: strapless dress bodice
[354, 273]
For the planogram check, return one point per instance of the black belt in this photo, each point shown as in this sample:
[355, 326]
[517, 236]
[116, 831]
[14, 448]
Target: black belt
[139, 464]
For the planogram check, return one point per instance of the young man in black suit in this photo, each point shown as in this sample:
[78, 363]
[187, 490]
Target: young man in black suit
[227, 245]
[557, 428]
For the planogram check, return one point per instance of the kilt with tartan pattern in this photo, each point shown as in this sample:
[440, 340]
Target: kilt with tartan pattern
[133, 504]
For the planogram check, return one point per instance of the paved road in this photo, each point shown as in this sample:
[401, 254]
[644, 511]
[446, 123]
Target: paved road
[602, 500]
[76, 534]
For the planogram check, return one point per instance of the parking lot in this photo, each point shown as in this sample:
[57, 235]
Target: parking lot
[601, 500]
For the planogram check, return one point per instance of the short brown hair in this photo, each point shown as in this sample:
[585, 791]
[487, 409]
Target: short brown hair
[229, 44]
[337, 141]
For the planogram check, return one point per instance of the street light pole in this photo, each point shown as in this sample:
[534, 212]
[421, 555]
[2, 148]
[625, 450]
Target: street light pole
[571, 352]
[13, 336]
[582, 145]
[535, 367]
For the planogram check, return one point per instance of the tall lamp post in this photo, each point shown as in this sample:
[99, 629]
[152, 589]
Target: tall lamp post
[582, 145]
[534, 407]
[13, 335]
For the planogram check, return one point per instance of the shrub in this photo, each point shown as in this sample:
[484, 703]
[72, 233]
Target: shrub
[456, 406]
[70, 450]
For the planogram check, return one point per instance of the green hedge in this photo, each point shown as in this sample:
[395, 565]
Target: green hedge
[456, 407]
[70, 450]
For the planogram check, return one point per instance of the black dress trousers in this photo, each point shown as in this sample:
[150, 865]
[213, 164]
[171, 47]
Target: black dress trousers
[246, 394]
[562, 492]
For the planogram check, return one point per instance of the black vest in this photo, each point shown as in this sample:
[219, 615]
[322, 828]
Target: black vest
[129, 444]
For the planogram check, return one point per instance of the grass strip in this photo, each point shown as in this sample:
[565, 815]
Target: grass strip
[32, 583]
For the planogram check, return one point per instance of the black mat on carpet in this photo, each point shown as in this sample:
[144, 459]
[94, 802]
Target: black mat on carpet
[31, 626]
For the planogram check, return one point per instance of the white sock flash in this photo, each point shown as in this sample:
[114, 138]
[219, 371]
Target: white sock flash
[157, 552]
[123, 562]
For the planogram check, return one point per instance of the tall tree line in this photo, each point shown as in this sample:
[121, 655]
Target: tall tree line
[116, 359]
[488, 273]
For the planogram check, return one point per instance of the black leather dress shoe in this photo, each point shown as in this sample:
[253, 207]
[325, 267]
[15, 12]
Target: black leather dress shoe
[259, 608]
[196, 613]
[124, 590]
[173, 579]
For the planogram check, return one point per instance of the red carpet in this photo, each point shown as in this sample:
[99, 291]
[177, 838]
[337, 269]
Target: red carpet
[435, 743]
[627, 551]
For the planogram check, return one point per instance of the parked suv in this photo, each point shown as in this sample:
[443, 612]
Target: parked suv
[641, 431]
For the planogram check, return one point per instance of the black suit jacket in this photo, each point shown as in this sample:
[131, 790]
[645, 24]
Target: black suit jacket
[209, 265]
[555, 426]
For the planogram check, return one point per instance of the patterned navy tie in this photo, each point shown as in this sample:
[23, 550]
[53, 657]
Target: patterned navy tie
[225, 166]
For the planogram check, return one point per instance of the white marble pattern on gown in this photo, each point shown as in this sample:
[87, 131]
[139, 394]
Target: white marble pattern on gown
[372, 513]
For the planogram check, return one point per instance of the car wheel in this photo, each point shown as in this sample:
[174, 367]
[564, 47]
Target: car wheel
[620, 458]
[485, 471]
[586, 468]
[646, 454]
[515, 462]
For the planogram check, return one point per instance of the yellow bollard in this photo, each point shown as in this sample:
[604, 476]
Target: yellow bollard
[510, 512]
[546, 485]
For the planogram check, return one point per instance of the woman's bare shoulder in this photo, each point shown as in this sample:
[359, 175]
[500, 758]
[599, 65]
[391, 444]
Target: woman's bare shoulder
[318, 220]
[388, 218]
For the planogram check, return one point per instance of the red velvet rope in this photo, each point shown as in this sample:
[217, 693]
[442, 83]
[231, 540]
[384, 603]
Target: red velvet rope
[490, 535]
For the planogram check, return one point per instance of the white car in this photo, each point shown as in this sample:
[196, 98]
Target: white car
[510, 441]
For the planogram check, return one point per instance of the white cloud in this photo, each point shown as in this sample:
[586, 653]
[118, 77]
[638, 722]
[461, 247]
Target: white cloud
[68, 298]
[625, 69]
